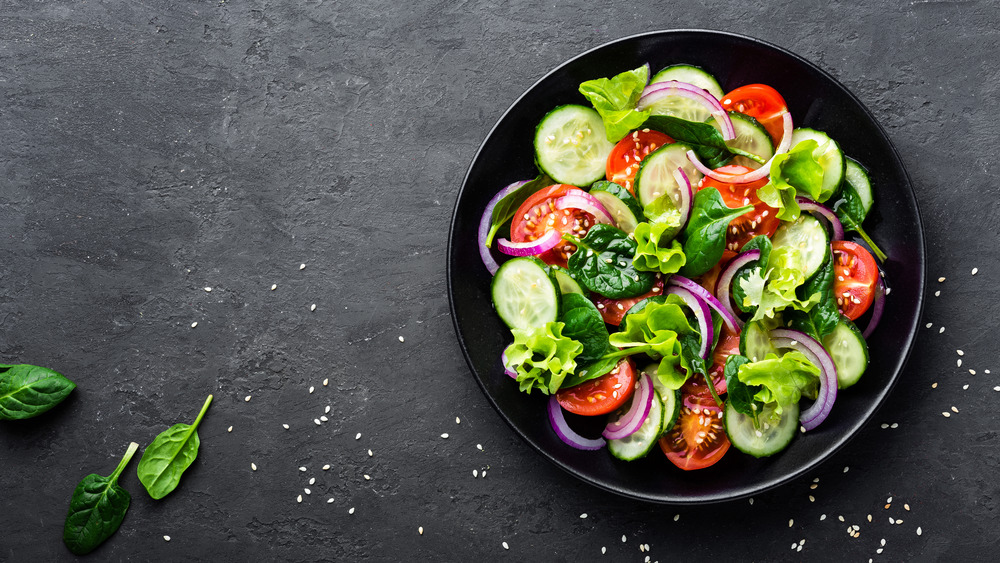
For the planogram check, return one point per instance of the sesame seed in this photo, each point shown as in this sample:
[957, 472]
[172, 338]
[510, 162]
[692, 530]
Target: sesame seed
[623, 538]
[677, 517]
[317, 421]
[326, 467]
[166, 538]
[813, 486]
[368, 477]
[479, 447]
[326, 382]
[208, 289]
[892, 520]
[505, 546]
[879, 550]
[940, 280]
[960, 352]
[959, 362]
[604, 550]
[351, 511]
[247, 398]
[869, 517]
[954, 409]
[928, 325]
[194, 324]
[884, 426]
[972, 372]
[420, 530]
[370, 454]
[790, 522]
[307, 491]
[311, 389]
[841, 518]
[285, 426]
[812, 498]
[966, 386]
[940, 330]
[298, 498]
[934, 385]
[329, 500]
[230, 429]
[975, 271]
[846, 469]
[946, 414]
[888, 500]
[584, 515]
[302, 266]
[303, 469]
[483, 474]
[312, 307]
[937, 293]
[751, 500]
[327, 409]
[401, 339]
[822, 517]
[274, 287]
[997, 388]
[358, 437]
[445, 435]
[458, 420]
[253, 466]
[919, 531]
[986, 371]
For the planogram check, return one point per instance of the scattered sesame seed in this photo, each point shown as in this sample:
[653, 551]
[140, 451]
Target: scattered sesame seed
[972, 372]
[326, 467]
[484, 474]
[208, 289]
[312, 481]
[505, 546]
[959, 362]
[420, 530]
[623, 538]
[584, 515]
[813, 486]
[975, 271]
[166, 538]
[329, 500]
[954, 409]
[997, 388]
[884, 426]
[274, 287]
[906, 507]
[327, 409]
[841, 518]
[370, 453]
[846, 469]
[960, 352]
[919, 531]
[401, 339]
[790, 522]
[937, 293]
[604, 550]
[751, 500]
[230, 429]
[946, 414]
[285, 426]
[303, 469]
[883, 542]
[302, 266]
[351, 511]
[879, 550]
[822, 517]
[677, 517]
[934, 385]
[888, 500]
[307, 491]
[940, 280]
[479, 447]
[928, 325]
[368, 477]
[326, 382]
[317, 421]
[458, 420]
[445, 435]
[298, 498]
[247, 398]
[940, 330]
[894, 425]
[358, 437]
[311, 389]
[892, 520]
[194, 324]
[812, 498]
[253, 466]
[966, 386]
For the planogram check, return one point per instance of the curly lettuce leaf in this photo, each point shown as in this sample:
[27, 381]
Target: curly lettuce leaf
[656, 330]
[542, 357]
[775, 290]
[780, 380]
[796, 171]
[615, 100]
[656, 249]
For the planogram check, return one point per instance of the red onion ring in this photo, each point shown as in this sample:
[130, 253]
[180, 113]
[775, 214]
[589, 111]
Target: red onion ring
[687, 194]
[656, 92]
[753, 175]
[628, 423]
[484, 226]
[806, 204]
[815, 353]
[728, 316]
[545, 242]
[877, 307]
[722, 289]
[702, 313]
[558, 421]
[507, 370]
[588, 203]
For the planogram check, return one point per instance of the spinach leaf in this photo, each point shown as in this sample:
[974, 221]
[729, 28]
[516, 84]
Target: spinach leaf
[584, 324]
[615, 99]
[851, 212]
[741, 395]
[705, 140]
[603, 263]
[170, 454]
[824, 315]
[705, 234]
[507, 206]
[593, 370]
[96, 509]
[27, 391]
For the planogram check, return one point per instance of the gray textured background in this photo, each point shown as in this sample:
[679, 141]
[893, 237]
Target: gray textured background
[151, 149]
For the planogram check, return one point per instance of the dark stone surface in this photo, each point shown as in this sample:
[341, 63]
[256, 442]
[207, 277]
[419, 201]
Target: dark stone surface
[150, 150]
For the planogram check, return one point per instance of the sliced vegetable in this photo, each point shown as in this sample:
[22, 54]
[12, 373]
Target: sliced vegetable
[637, 444]
[540, 245]
[727, 316]
[761, 102]
[523, 294]
[603, 394]
[814, 351]
[849, 352]
[856, 276]
[808, 205]
[698, 438]
[624, 160]
[587, 203]
[753, 175]
[724, 284]
[690, 74]
[765, 438]
[559, 425]
[701, 312]
[761, 220]
[685, 101]
[624, 208]
[571, 145]
[808, 237]
[538, 215]
[627, 421]
[879, 305]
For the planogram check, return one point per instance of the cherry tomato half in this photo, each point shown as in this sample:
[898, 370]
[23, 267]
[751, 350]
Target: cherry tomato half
[761, 220]
[538, 214]
[855, 277]
[623, 162]
[762, 103]
[698, 439]
[613, 310]
[601, 395]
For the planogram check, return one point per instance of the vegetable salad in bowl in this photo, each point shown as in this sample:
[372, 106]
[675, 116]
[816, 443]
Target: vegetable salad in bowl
[678, 269]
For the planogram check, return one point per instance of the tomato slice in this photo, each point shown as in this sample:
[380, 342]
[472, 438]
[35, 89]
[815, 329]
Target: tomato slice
[698, 439]
[761, 220]
[762, 103]
[538, 214]
[728, 344]
[613, 310]
[601, 395]
[855, 277]
[623, 162]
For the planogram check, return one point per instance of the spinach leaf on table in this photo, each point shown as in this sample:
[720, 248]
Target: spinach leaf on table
[603, 263]
[851, 212]
[27, 391]
[170, 454]
[705, 233]
[97, 509]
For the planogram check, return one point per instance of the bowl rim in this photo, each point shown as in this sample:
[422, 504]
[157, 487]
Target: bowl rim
[838, 443]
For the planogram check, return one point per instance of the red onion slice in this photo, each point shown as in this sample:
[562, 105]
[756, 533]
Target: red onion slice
[558, 421]
[722, 286]
[507, 370]
[545, 242]
[660, 90]
[877, 307]
[687, 194]
[806, 204]
[815, 353]
[484, 226]
[753, 175]
[642, 401]
[588, 203]
[728, 316]
[702, 313]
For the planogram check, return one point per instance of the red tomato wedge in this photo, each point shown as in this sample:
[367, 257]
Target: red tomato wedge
[855, 277]
[761, 220]
[538, 214]
[601, 395]
[760, 102]
[698, 439]
[623, 162]
[613, 310]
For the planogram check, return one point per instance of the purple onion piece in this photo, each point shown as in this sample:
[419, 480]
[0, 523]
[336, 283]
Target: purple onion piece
[484, 226]
[586, 202]
[558, 421]
[660, 90]
[628, 423]
[722, 285]
[806, 204]
[753, 175]
[687, 195]
[815, 353]
[545, 242]
[702, 313]
[728, 316]
[507, 370]
[877, 307]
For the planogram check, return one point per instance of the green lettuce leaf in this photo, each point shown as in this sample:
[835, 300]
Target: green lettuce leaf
[655, 330]
[796, 171]
[615, 99]
[775, 290]
[656, 249]
[781, 380]
[542, 357]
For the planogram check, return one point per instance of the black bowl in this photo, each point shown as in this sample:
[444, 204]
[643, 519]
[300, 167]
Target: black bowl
[816, 100]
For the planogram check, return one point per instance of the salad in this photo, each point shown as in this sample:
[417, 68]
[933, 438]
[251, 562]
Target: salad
[678, 268]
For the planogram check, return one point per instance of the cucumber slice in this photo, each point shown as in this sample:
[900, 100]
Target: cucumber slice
[857, 177]
[692, 75]
[751, 137]
[849, 352]
[755, 343]
[624, 208]
[566, 282]
[655, 177]
[767, 440]
[828, 154]
[808, 235]
[523, 293]
[639, 443]
[571, 145]
[671, 399]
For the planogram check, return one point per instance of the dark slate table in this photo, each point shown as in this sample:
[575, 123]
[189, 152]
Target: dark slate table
[152, 150]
